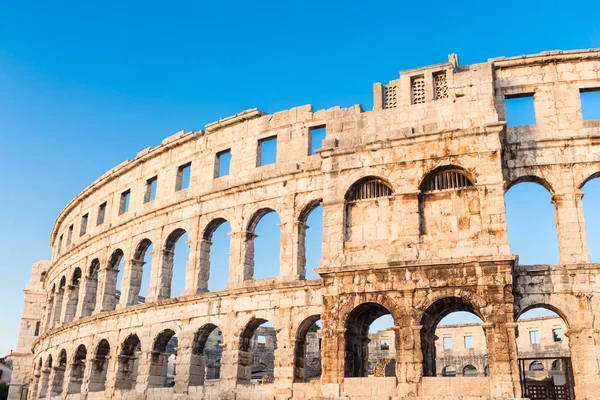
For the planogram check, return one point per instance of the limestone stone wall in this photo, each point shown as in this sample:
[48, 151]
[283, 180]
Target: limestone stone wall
[413, 226]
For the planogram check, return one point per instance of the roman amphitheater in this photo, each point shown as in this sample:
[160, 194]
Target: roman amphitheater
[414, 226]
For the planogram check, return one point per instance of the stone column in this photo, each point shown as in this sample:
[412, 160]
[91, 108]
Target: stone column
[71, 304]
[143, 371]
[183, 364]
[197, 271]
[284, 359]
[47, 322]
[502, 359]
[161, 275]
[288, 262]
[107, 282]
[58, 306]
[585, 358]
[332, 353]
[241, 258]
[111, 376]
[88, 295]
[409, 359]
[570, 226]
[131, 283]
[333, 233]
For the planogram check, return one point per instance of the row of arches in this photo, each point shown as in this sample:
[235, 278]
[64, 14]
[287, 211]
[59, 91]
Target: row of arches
[122, 282]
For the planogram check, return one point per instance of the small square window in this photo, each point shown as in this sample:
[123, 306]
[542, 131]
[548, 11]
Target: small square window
[590, 103]
[520, 110]
[222, 163]
[84, 222]
[124, 202]
[534, 337]
[261, 340]
[37, 329]
[101, 214]
[60, 241]
[384, 344]
[150, 194]
[317, 135]
[70, 235]
[183, 177]
[469, 342]
[557, 334]
[267, 151]
[447, 343]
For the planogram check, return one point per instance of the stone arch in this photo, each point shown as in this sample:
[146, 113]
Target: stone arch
[356, 337]
[59, 373]
[250, 272]
[73, 295]
[141, 270]
[470, 370]
[302, 226]
[588, 198]
[90, 295]
[163, 347]
[128, 363]
[99, 367]
[449, 371]
[204, 280]
[587, 179]
[112, 294]
[247, 345]
[168, 263]
[302, 367]
[447, 175]
[526, 304]
[206, 354]
[77, 370]
[430, 319]
[531, 179]
[45, 376]
[58, 303]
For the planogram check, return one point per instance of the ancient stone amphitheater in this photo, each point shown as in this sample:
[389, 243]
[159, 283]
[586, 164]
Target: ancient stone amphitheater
[412, 194]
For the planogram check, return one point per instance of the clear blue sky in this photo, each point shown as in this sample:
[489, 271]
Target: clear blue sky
[84, 86]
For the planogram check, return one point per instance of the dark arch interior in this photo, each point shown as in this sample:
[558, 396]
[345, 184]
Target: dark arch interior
[307, 352]
[206, 355]
[356, 338]
[257, 350]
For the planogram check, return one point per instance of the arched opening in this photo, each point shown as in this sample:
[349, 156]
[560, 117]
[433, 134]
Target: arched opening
[452, 330]
[99, 367]
[91, 288]
[307, 351]
[73, 296]
[113, 278]
[128, 363]
[141, 265]
[590, 201]
[163, 361]
[449, 371]
[59, 373]
[50, 308]
[37, 376]
[60, 294]
[530, 222]
[207, 350]
[77, 370]
[544, 352]
[214, 255]
[310, 240]
[368, 210]
[470, 370]
[449, 206]
[258, 342]
[264, 245]
[45, 377]
[175, 256]
[369, 342]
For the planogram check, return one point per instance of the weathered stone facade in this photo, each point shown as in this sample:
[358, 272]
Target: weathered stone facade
[414, 226]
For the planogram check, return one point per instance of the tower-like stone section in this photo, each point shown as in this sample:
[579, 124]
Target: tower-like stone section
[31, 322]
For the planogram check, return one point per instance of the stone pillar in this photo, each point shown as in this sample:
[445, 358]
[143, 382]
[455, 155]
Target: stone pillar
[332, 353]
[409, 359]
[44, 386]
[284, 359]
[161, 275]
[143, 371]
[197, 270]
[502, 359]
[183, 364]
[48, 314]
[107, 282]
[57, 380]
[88, 294]
[131, 283]
[288, 262]
[585, 358]
[229, 360]
[71, 304]
[333, 233]
[58, 306]
[570, 226]
[111, 376]
[241, 258]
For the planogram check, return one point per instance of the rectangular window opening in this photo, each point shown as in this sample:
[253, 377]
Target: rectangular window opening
[590, 103]
[447, 343]
[84, 222]
[267, 151]
[124, 202]
[557, 334]
[60, 241]
[520, 110]
[151, 185]
[384, 344]
[183, 177]
[70, 234]
[417, 85]
[469, 342]
[534, 337]
[261, 340]
[37, 329]
[222, 163]
[317, 135]
[101, 214]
